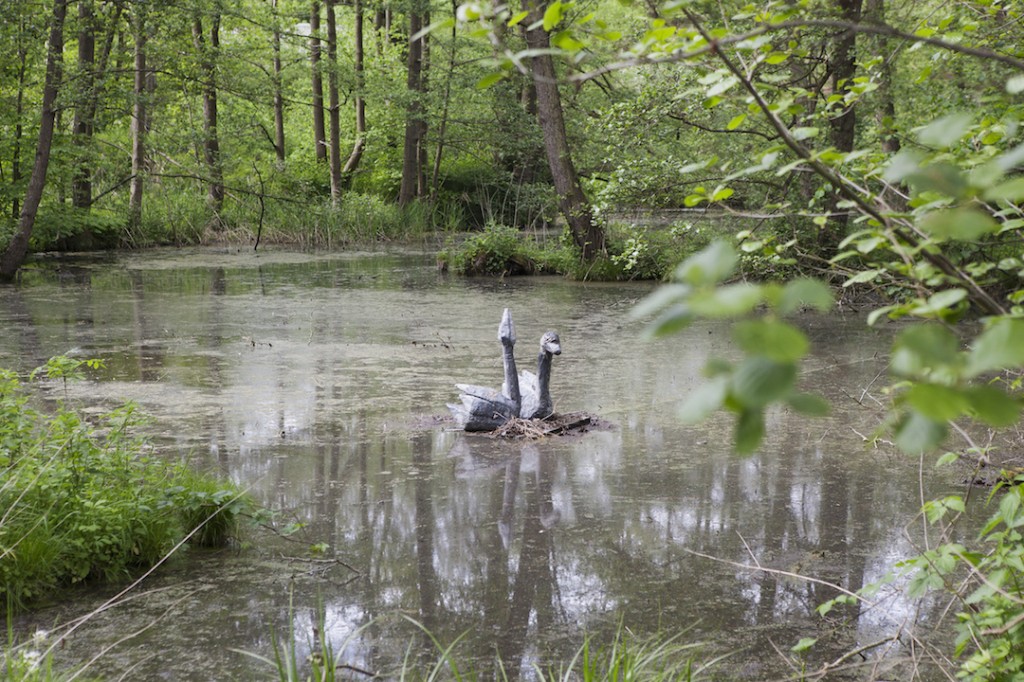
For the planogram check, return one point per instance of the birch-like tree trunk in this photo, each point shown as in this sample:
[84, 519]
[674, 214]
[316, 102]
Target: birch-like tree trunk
[14, 255]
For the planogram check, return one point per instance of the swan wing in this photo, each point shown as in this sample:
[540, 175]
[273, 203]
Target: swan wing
[529, 386]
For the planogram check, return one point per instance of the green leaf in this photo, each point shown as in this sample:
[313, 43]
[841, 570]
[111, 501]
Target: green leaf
[993, 406]
[804, 644]
[945, 131]
[902, 165]
[939, 302]
[658, 299]
[804, 291]
[862, 276]
[804, 133]
[924, 348]
[749, 431]
[1011, 190]
[916, 433]
[999, 347]
[707, 398]
[552, 15]
[671, 320]
[517, 17]
[878, 312]
[809, 404]
[940, 403]
[709, 265]
[722, 193]
[962, 224]
[943, 178]
[773, 339]
[489, 80]
[726, 301]
[776, 57]
[736, 122]
[760, 380]
[564, 40]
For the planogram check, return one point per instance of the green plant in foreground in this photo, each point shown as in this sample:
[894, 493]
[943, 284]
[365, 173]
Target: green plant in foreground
[81, 502]
[627, 657]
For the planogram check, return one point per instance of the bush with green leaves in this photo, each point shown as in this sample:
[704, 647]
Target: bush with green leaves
[497, 250]
[82, 502]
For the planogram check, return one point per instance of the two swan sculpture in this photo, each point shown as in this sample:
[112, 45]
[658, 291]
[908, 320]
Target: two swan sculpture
[525, 395]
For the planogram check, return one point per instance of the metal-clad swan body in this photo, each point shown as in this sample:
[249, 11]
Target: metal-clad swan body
[485, 409]
[536, 392]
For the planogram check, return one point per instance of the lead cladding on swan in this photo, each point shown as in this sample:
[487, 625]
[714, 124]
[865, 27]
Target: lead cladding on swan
[486, 409]
[536, 388]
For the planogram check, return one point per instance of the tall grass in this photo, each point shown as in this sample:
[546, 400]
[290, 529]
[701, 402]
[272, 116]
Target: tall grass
[626, 658]
[82, 502]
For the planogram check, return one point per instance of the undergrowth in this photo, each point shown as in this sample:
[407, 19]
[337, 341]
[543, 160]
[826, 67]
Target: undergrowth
[83, 502]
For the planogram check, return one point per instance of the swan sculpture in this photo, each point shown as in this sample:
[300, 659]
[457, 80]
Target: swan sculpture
[485, 409]
[536, 394]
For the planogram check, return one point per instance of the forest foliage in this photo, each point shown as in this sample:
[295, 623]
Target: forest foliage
[874, 146]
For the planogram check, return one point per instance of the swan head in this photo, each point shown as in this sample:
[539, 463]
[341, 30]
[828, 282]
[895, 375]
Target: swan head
[507, 330]
[549, 343]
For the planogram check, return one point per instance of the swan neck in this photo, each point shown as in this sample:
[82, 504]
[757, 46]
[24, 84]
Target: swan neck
[511, 376]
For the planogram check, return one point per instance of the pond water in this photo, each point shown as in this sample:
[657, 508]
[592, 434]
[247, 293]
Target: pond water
[319, 382]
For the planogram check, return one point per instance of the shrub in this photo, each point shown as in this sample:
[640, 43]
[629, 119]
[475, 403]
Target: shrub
[81, 503]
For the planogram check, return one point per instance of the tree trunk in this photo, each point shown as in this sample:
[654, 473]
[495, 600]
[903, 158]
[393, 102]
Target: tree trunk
[885, 113]
[139, 124]
[211, 144]
[319, 138]
[415, 125]
[278, 96]
[575, 207]
[14, 256]
[843, 127]
[333, 107]
[82, 124]
[446, 99]
[360, 143]
[19, 130]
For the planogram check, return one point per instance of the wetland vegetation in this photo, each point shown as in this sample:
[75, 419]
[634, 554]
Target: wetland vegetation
[787, 156]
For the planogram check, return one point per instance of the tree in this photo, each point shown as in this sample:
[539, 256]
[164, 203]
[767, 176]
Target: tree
[360, 105]
[139, 117]
[413, 147]
[14, 256]
[316, 81]
[206, 53]
[278, 94]
[334, 104]
[586, 234]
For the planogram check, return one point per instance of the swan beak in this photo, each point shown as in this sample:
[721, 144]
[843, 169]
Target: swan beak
[553, 347]
[507, 330]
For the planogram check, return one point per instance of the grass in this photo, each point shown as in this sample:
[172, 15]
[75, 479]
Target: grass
[83, 502]
[626, 658]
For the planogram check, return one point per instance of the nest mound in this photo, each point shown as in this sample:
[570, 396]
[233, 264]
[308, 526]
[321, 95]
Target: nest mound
[556, 425]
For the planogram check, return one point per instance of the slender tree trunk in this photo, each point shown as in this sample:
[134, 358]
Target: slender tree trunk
[575, 207]
[19, 129]
[334, 106]
[885, 113]
[14, 256]
[415, 125]
[139, 124]
[278, 97]
[357, 149]
[843, 127]
[319, 138]
[211, 144]
[82, 124]
[446, 99]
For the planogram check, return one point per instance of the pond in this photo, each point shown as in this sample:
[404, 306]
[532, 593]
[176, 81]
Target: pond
[319, 383]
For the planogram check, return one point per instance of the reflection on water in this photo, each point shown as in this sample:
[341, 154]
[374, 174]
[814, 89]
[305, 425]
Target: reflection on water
[315, 382]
